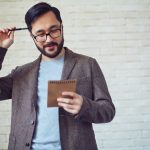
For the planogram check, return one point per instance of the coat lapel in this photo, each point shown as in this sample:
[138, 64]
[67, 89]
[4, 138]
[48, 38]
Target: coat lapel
[69, 63]
[32, 76]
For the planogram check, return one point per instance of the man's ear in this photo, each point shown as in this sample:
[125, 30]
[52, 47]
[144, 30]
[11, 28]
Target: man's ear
[30, 34]
[62, 28]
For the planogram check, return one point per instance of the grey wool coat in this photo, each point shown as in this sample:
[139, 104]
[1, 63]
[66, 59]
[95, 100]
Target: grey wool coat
[76, 132]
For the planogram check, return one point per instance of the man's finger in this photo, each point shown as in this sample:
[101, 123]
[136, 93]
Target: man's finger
[65, 100]
[65, 105]
[11, 35]
[72, 94]
[72, 111]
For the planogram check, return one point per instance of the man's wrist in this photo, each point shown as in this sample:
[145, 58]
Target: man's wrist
[2, 55]
[3, 51]
[3, 48]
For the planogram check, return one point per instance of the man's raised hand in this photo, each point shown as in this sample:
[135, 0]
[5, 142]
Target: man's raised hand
[6, 37]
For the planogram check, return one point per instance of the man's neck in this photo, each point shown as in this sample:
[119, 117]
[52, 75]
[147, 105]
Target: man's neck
[61, 54]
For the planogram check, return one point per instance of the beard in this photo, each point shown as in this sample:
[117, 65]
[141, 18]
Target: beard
[56, 53]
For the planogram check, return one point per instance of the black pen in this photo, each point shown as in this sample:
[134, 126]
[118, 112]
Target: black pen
[17, 29]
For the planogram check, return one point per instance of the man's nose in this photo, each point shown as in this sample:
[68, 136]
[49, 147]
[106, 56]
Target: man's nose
[48, 38]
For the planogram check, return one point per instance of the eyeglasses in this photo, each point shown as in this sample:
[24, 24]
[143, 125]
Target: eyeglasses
[55, 33]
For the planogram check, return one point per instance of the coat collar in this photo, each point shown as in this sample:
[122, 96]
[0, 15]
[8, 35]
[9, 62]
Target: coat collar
[69, 63]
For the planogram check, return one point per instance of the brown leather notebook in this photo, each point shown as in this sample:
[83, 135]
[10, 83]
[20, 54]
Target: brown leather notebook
[55, 89]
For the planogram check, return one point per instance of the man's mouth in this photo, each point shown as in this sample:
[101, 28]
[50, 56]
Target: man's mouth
[51, 47]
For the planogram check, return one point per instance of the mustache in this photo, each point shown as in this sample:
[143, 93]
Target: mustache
[50, 44]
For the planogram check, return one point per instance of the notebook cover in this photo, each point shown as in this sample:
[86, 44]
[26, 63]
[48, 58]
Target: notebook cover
[55, 89]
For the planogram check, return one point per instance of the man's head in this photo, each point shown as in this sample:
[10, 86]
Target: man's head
[45, 25]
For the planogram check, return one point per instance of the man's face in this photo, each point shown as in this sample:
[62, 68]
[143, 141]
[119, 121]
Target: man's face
[45, 24]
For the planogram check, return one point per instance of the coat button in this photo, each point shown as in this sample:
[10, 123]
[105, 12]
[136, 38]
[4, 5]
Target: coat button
[27, 144]
[32, 122]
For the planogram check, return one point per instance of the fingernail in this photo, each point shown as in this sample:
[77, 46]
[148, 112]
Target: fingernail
[58, 99]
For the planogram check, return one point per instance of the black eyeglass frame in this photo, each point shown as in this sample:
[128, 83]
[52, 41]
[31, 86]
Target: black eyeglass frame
[35, 37]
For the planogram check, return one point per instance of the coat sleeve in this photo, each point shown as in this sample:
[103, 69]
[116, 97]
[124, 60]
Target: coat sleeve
[100, 109]
[5, 82]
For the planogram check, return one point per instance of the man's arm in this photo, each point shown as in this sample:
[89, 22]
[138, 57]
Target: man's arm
[2, 55]
[5, 82]
[100, 109]
[6, 40]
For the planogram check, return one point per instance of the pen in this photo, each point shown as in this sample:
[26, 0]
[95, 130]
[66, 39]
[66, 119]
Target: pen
[17, 29]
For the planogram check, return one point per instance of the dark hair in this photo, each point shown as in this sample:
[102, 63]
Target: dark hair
[39, 9]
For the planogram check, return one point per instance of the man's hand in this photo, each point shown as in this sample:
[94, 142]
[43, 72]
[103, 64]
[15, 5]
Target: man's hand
[6, 37]
[72, 104]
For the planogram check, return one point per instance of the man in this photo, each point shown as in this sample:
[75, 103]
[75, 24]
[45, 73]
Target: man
[69, 126]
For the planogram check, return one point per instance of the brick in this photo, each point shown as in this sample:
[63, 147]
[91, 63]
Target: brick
[3, 138]
[3, 146]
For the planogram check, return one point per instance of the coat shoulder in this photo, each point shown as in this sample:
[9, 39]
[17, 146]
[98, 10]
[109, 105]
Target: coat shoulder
[81, 57]
[26, 68]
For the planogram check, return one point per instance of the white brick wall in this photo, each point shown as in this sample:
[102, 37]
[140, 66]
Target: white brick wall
[117, 34]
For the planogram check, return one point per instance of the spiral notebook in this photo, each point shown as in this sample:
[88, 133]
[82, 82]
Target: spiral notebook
[55, 89]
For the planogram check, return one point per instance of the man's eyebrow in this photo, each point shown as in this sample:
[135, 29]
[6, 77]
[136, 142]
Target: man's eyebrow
[52, 27]
[41, 30]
